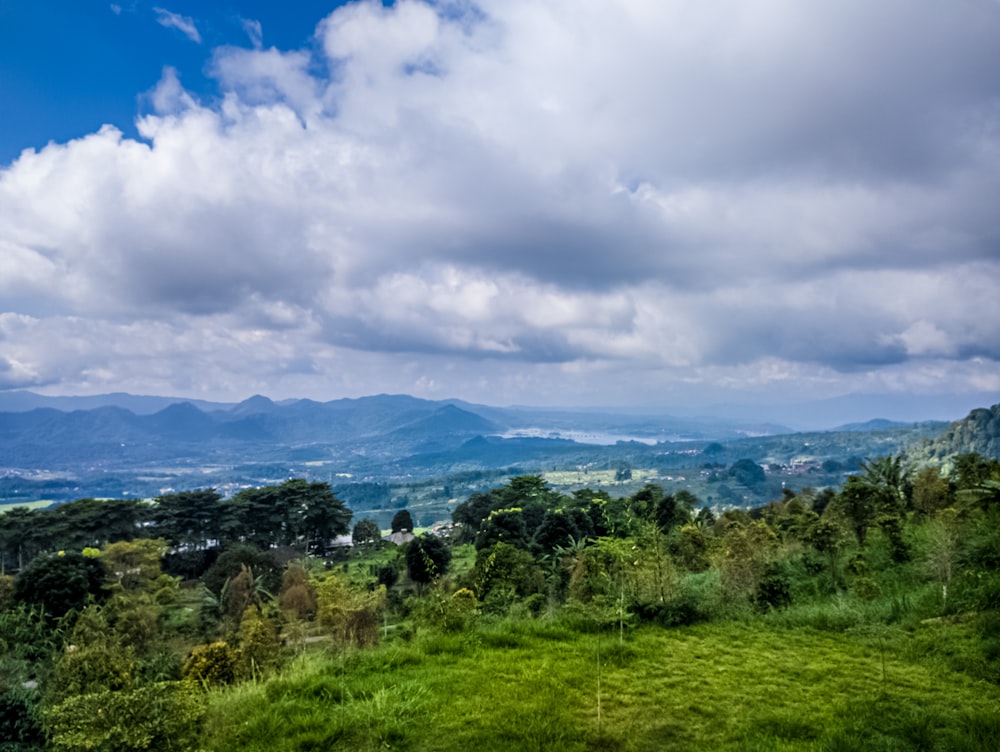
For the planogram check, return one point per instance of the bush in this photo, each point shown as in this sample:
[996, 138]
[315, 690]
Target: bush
[212, 665]
[774, 590]
[162, 717]
[19, 725]
[61, 582]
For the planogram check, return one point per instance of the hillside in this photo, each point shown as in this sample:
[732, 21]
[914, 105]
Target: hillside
[977, 433]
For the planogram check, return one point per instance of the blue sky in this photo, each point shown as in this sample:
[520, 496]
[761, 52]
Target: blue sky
[555, 202]
[70, 66]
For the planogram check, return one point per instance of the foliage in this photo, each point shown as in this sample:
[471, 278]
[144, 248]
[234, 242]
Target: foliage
[349, 616]
[189, 518]
[504, 574]
[134, 565]
[366, 533]
[20, 727]
[212, 665]
[234, 559]
[504, 526]
[402, 521]
[908, 590]
[427, 558]
[931, 492]
[61, 582]
[297, 596]
[259, 646]
[747, 472]
[296, 513]
[162, 717]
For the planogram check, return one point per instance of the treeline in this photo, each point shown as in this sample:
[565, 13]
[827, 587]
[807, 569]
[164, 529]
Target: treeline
[123, 613]
[297, 513]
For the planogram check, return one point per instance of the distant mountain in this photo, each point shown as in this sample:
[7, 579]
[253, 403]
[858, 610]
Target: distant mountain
[876, 424]
[979, 432]
[115, 452]
[115, 438]
[826, 414]
[20, 401]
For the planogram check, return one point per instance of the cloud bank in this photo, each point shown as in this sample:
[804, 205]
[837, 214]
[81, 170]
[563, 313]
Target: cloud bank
[525, 201]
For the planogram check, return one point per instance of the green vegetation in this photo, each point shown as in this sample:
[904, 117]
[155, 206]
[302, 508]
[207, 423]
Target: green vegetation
[861, 617]
[523, 685]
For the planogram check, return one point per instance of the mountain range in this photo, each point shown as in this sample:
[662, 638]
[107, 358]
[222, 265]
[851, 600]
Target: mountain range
[126, 445]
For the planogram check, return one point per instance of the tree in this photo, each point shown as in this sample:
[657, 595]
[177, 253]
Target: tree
[747, 472]
[350, 616]
[886, 481]
[322, 516]
[931, 492]
[427, 558]
[557, 529]
[693, 548]
[18, 542]
[297, 597]
[748, 549]
[503, 526]
[644, 503]
[503, 574]
[134, 565]
[402, 522]
[93, 522]
[857, 504]
[943, 539]
[972, 470]
[163, 716]
[295, 513]
[827, 538]
[366, 534]
[673, 511]
[188, 518]
[471, 512]
[233, 560]
[528, 490]
[61, 582]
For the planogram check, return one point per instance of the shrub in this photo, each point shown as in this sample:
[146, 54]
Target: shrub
[162, 717]
[212, 665]
[350, 616]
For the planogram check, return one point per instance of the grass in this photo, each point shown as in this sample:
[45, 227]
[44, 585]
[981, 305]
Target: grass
[6, 506]
[533, 685]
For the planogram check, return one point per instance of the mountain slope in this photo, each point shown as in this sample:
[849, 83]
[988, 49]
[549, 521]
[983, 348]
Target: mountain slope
[978, 432]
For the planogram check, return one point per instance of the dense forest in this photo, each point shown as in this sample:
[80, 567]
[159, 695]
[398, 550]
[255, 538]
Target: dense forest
[861, 616]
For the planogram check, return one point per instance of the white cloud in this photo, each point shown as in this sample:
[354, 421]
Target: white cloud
[184, 24]
[253, 30]
[533, 201]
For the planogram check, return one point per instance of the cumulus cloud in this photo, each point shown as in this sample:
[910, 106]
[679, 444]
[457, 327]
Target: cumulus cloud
[487, 199]
[184, 24]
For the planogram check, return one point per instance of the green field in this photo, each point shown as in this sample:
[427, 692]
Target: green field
[7, 506]
[540, 685]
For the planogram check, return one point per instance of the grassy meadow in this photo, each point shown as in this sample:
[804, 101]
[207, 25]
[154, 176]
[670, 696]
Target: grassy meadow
[555, 685]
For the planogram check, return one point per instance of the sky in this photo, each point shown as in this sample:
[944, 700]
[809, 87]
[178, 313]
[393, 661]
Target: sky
[646, 203]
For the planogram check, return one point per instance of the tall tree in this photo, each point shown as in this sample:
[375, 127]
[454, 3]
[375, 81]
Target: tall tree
[295, 513]
[188, 518]
[402, 521]
[366, 533]
[858, 505]
[886, 481]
